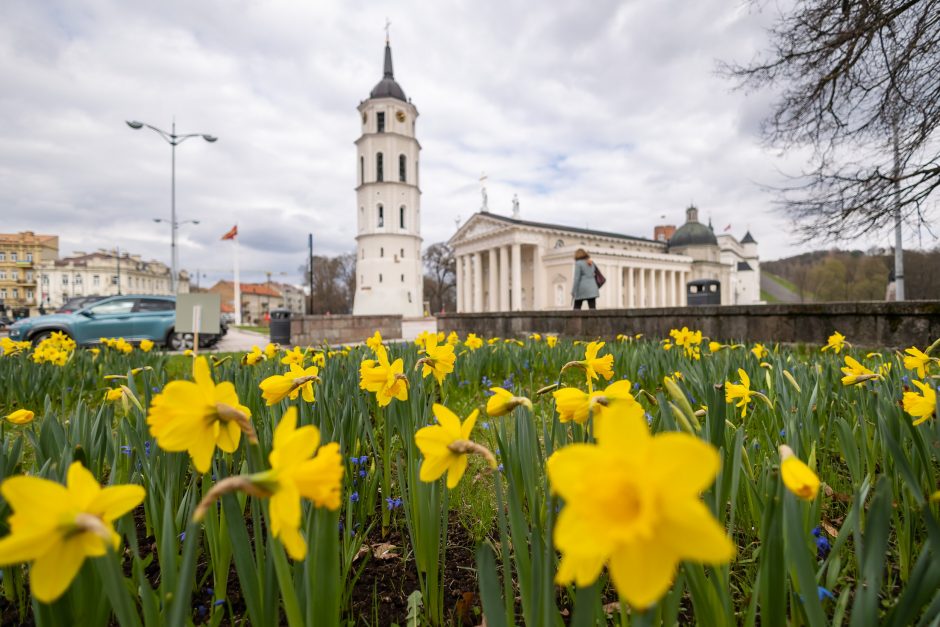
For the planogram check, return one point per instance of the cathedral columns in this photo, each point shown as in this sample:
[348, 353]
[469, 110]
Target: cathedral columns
[631, 298]
[517, 277]
[641, 272]
[492, 276]
[467, 284]
[459, 272]
[477, 282]
[504, 278]
[538, 279]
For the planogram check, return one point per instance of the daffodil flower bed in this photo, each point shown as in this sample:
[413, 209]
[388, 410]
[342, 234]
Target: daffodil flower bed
[627, 480]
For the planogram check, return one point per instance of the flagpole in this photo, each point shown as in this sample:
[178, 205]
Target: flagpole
[238, 291]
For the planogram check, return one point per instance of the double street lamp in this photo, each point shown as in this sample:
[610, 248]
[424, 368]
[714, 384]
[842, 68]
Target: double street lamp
[174, 140]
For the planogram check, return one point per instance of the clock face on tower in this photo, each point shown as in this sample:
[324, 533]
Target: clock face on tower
[400, 116]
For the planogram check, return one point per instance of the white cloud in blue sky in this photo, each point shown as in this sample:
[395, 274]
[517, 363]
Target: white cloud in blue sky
[607, 114]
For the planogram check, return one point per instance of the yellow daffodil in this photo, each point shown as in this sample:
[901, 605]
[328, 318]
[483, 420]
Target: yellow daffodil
[295, 356]
[298, 380]
[797, 476]
[56, 527]
[573, 404]
[375, 341]
[503, 401]
[196, 416]
[439, 359]
[690, 341]
[453, 339]
[921, 406]
[473, 342]
[536, 337]
[492, 341]
[21, 417]
[384, 379]
[714, 347]
[298, 470]
[551, 340]
[594, 365]
[632, 502]
[318, 359]
[11, 348]
[255, 356]
[740, 391]
[856, 373]
[917, 360]
[271, 350]
[422, 340]
[94, 352]
[445, 446]
[760, 351]
[835, 343]
[146, 345]
[114, 394]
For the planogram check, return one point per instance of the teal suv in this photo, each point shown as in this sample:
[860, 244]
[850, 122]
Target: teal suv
[134, 318]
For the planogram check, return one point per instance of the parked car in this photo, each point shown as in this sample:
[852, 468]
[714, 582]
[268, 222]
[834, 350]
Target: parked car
[5, 321]
[133, 317]
[78, 302]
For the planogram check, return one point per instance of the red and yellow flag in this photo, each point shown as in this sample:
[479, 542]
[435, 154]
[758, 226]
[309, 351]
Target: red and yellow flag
[231, 234]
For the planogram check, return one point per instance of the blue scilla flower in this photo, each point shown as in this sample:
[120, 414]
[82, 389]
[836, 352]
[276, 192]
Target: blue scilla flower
[488, 393]
[485, 425]
[219, 602]
[182, 536]
[905, 379]
[362, 473]
[147, 447]
[823, 593]
[354, 460]
[210, 591]
[201, 610]
[126, 450]
[822, 547]
[500, 468]
[392, 503]
[155, 389]
[354, 497]
[783, 433]
[649, 418]
[636, 386]
[485, 381]
[641, 370]
[364, 459]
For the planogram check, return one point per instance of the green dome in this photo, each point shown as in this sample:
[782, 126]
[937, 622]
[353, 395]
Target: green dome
[693, 232]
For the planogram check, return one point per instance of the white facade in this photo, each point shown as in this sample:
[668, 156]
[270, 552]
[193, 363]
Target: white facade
[103, 273]
[509, 264]
[389, 277]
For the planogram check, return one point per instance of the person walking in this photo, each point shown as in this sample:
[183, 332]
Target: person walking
[584, 286]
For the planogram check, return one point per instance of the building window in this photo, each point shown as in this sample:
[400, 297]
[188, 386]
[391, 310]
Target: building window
[3, 275]
[381, 216]
[403, 278]
[362, 170]
[95, 280]
[78, 279]
[65, 279]
[3, 292]
[29, 294]
[3, 256]
[45, 279]
[380, 120]
[379, 170]
[29, 275]
[401, 217]
[401, 168]
[402, 253]
[16, 292]
[114, 279]
[12, 256]
[380, 278]
[29, 257]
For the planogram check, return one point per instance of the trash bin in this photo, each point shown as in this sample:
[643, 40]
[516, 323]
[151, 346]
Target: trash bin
[702, 292]
[280, 326]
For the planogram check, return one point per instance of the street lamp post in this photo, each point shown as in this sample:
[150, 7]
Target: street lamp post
[174, 140]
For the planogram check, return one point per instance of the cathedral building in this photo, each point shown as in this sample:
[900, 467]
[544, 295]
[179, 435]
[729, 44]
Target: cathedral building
[510, 264]
[389, 277]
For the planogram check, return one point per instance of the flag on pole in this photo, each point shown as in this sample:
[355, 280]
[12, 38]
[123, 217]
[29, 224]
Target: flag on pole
[232, 233]
[727, 228]
[237, 300]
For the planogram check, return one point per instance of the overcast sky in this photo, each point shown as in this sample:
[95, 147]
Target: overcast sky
[602, 114]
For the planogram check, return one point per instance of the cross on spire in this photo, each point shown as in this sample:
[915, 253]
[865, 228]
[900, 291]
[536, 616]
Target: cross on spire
[387, 25]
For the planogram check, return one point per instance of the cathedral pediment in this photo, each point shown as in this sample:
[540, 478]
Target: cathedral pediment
[476, 227]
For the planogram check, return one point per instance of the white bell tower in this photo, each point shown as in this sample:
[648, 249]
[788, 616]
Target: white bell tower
[389, 277]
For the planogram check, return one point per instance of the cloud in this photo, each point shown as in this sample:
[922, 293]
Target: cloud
[608, 115]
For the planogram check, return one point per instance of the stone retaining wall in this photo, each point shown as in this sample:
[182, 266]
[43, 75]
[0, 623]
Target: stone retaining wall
[317, 330]
[877, 324]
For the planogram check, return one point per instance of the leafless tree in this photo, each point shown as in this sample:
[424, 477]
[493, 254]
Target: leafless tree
[858, 84]
[440, 278]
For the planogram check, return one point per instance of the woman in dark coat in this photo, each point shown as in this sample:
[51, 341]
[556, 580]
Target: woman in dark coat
[584, 285]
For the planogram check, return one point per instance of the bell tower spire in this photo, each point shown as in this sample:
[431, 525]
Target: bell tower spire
[389, 276]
